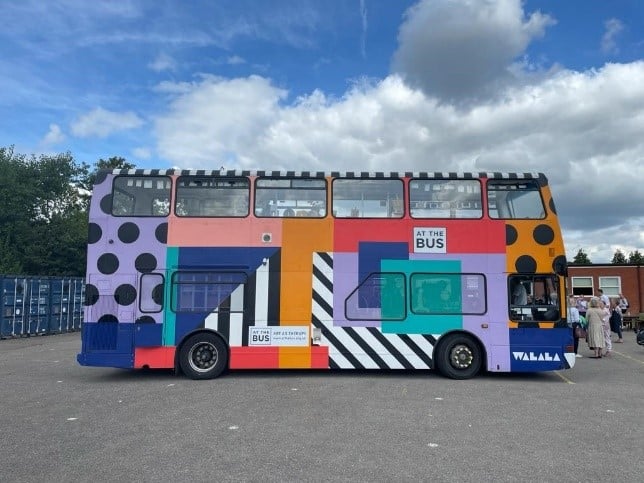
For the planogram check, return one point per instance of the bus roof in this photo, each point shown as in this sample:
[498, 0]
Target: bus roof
[324, 174]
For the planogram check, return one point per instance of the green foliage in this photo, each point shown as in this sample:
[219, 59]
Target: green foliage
[581, 258]
[636, 257]
[44, 212]
[618, 258]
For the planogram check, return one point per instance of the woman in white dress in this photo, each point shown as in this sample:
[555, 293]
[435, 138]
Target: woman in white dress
[594, 316]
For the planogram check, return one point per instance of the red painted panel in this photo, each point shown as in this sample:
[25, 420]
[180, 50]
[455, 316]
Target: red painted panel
[319, 357]
[463, 236]
[254, 358]
[154, 357]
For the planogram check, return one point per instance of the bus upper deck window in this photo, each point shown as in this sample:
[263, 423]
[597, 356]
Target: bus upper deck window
[141, 196]
[515, 199]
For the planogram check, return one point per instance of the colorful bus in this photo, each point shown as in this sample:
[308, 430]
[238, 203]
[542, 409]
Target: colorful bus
[203, 271]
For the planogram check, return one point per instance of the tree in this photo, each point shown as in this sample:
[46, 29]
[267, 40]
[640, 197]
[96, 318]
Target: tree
[43, 220]
[581, 258]
[636, 257]
[115, 162]
[618, 258]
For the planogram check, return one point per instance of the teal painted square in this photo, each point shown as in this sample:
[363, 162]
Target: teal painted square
[415, 323]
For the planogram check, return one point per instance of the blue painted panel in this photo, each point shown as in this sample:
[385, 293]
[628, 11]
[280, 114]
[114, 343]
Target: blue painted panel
[147, 335]
[535, 349]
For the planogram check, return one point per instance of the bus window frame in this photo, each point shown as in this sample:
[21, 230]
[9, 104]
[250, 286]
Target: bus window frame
[356, 290]
[354, 213]
[518, 312]
[507, 182]
[455, 211]
[119, 189]
[462, 275]
[174, 289]
[162, 284]
[177, 200]
[321, 206]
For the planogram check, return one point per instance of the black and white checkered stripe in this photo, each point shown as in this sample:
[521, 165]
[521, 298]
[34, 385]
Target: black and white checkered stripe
[362, 347]
[326, 174]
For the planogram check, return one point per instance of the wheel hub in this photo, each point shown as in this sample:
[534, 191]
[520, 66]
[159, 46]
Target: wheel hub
[461, 357]
[203, 356]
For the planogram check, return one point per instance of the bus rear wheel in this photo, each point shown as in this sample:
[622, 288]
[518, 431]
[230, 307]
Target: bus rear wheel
[459, 357]
[203, 356]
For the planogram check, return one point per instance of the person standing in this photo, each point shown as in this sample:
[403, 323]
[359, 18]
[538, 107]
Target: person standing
[623, 303]
[616, 321]
[573, 322]
[606, 326]
[594, 317]
[582, 306]
[604, 298]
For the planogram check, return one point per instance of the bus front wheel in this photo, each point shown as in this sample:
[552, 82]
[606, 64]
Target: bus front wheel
[459, 357]
[203, 356]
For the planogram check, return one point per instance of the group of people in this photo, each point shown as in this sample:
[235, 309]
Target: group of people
[598, 318]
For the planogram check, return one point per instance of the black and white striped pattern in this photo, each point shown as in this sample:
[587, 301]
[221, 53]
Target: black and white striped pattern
[250, 304]
[325, 174]
[362, 347]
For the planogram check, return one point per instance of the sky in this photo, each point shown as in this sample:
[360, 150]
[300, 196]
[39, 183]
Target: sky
[426, 85]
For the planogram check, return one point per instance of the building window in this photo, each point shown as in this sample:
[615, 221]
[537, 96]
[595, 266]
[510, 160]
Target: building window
[582, 286]
[610, 285]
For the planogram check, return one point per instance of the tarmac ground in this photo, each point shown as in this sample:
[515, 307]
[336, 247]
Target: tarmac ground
[63, 422]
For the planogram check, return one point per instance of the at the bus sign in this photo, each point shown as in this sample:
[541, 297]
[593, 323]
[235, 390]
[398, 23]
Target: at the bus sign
[430, 240]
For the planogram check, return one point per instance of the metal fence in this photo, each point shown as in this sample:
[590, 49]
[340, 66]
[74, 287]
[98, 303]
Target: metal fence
[40, 305]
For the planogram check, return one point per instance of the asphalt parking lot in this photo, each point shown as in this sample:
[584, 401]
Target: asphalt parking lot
[63, 422]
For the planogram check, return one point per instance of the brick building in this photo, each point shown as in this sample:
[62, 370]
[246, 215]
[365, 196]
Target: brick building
[612, 279]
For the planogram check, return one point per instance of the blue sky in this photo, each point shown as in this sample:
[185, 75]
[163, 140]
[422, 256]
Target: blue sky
[540, 85]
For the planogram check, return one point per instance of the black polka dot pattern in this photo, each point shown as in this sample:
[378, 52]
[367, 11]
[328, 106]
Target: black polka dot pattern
[145, 319]
[560, 264]
[145, 263]
[106, 204]
[511, 235]
[107, 263]
[125, 294]
[157, 294]
[526, 264]
[161, 233]
[91, 294]
[94, 233]
[128, 232]
[108, 318]
[543, 235]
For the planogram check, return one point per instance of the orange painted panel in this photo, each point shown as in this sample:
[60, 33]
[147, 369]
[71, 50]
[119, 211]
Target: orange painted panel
[254, 358]
[154, 357]
[300, 238]
[295, 357]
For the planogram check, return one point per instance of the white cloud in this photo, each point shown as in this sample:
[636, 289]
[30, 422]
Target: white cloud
[101, 123]
[142, 153]
[464, 49]
[54, 136]
[163, 62]
[609, 44]
[580, 128]
[235, 60]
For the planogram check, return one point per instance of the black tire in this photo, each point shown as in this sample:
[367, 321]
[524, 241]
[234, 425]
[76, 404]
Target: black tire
[203, 356]
[459, 357]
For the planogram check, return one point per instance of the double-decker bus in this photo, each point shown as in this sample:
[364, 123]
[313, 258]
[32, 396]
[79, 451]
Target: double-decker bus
[203, 271]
